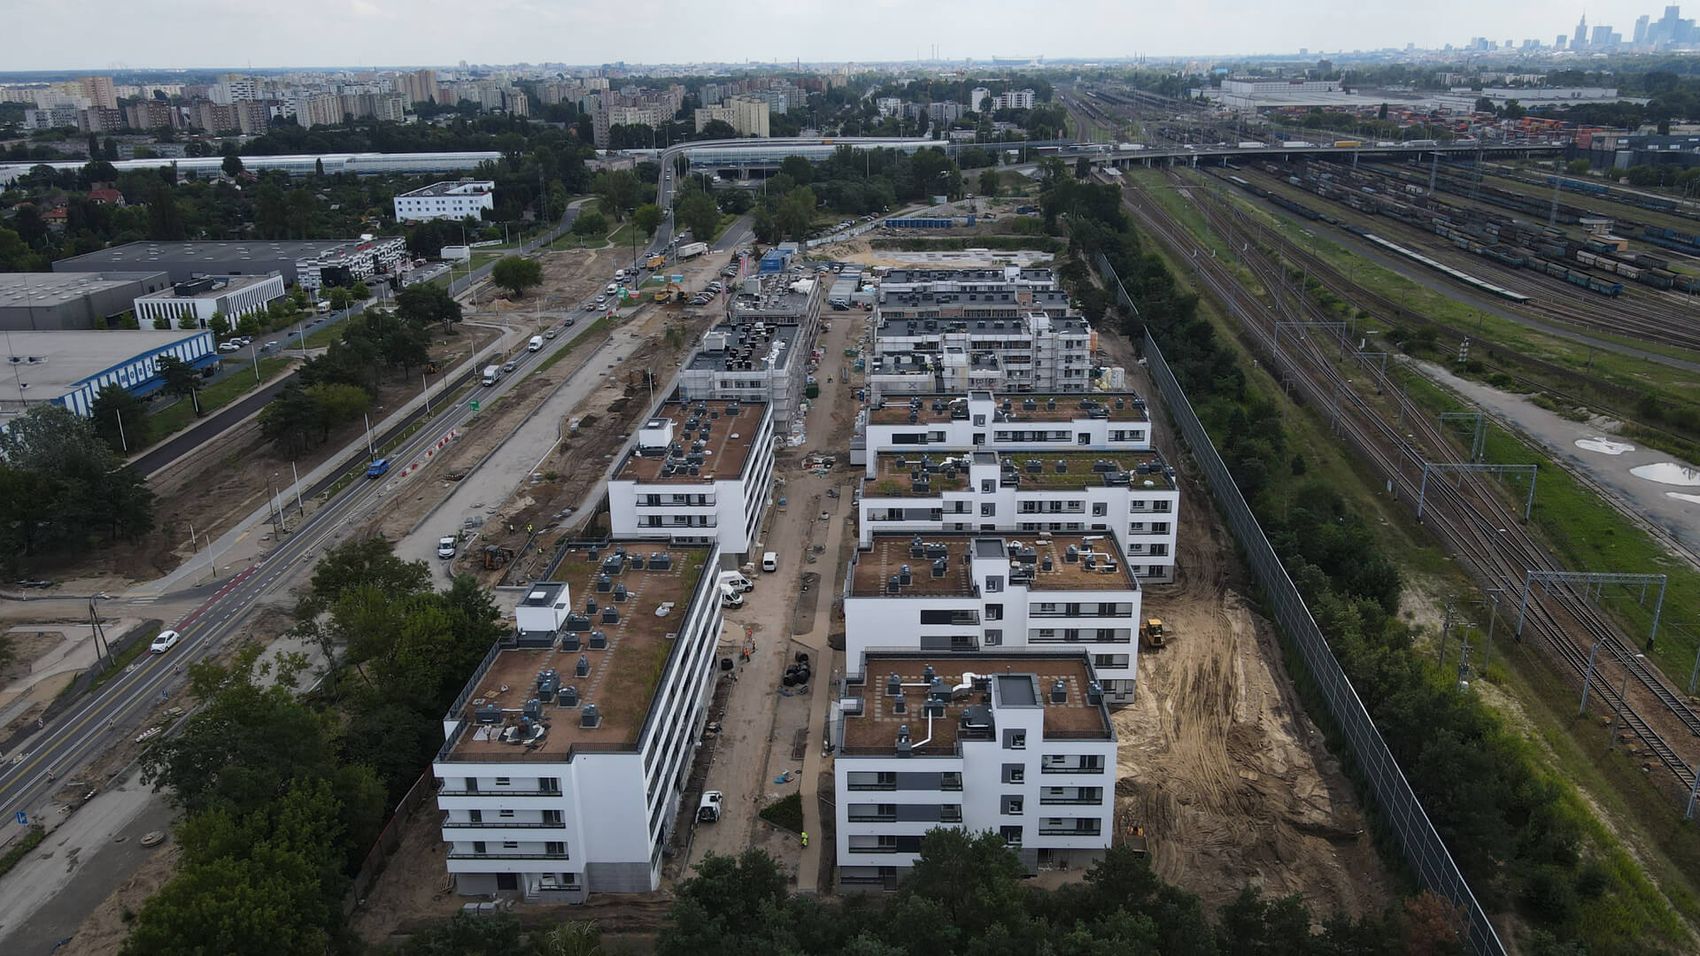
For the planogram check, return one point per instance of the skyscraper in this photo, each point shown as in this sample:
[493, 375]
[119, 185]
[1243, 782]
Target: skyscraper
[1641, 29]
[1580, 40]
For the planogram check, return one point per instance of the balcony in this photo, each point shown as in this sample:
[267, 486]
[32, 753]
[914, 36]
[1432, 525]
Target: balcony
[499, 824]
[1071, 831]
[1071, 801]
[503, 792]
[509, 855]
[855, 817]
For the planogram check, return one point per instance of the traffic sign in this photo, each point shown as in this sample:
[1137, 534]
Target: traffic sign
[473, 404]
[23, 818]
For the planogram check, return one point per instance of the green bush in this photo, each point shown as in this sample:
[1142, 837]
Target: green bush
[786, 813]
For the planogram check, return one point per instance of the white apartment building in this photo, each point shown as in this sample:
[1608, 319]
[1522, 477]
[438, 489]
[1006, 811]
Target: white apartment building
[1099, 421]
[192, 304]
[446, 200]
[568, 751]
[965, 594]
[1035, 353]
[1013, 100]
[748, 115]
[978, 99]
[1019, 744]
[701, 473]
[761, 351]
[1129, 495]
[350, 262]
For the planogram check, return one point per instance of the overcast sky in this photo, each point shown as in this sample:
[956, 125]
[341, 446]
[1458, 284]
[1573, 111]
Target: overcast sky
[115, 34]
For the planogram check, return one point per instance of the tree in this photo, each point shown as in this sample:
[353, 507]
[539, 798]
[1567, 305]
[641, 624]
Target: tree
[165, 220]
[798, 168]
[334, 404]
[219, 325]
[339, 297]
[162, 321]
[698, 213]
[60, 484]
[516, 274]
[424, 304]
[232, 165]
[180, 378]
[618, 191]
[796, 214]
[647, 218]
[590, 223]
[120, 419]
[358, 563]
[990, 183]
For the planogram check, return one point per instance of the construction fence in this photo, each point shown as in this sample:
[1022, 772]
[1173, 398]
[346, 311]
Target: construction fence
[1396, 802]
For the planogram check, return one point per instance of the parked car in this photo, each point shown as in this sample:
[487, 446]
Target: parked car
[378, 468]
[446, 546]
[164, 641]
[770, 561]
[708, 810]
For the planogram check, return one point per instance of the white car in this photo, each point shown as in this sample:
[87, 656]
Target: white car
[612, 288]
[446, 546]
[165, 641]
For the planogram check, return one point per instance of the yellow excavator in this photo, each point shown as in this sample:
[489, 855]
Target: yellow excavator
[672, 292]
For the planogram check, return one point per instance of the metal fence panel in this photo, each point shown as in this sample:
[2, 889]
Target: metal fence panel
[1424, 850]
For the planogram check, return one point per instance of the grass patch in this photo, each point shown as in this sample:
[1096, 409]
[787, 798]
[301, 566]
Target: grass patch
[33, 839]
[127, 656]
[785, 813]
[325, 337]
[168, 421]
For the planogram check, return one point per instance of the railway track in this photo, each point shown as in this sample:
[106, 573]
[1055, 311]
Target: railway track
[1470, 515]
[1644, 313]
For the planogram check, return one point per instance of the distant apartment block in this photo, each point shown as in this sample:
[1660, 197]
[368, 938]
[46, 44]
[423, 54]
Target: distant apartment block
[959, 595]
[1018, 744]
[701, 473]
[568, 750]
[747, 115]
[978, 421]
[446, 200]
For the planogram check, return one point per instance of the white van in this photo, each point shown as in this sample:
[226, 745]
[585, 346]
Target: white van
[737, 581]
[536, 344]
[770, 561]
[729, 596]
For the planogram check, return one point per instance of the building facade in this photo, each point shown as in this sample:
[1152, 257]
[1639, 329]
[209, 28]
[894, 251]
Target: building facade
[1021, 745]
[446, 200]
[954, 424]
[43, 302]
[1130, 495]
[70, 368]
[567, 753]
[192, 304]
[960, 595]
[700, 473]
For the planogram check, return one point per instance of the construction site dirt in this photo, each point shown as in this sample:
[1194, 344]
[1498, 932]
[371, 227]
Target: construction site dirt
[1229, 779]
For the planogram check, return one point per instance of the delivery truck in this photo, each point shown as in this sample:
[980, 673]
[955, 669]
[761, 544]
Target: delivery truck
[535, 345]
[692, 249]
[491, 374]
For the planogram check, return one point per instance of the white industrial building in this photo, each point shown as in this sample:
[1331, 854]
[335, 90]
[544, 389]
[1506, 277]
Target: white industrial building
[1017, 744]
[952, 331]
[69, 368]
[965, 594]
[457, 199]
[1129, 494]
[192, 304]
[1099, 421]
[701, 473]
[568, 751]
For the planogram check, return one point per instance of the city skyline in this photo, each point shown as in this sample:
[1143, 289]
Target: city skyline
[386, 33]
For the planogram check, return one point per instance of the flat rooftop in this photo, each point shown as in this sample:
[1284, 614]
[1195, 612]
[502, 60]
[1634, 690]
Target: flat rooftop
[877, 565]
[910, 274]
[1030, 407]
[451, 187]
[622, 677]
[730, 426]
[213, 253]
[770, 349]
[37, 290]
[225, 286]
[895, 474]
[779, 296]
[978, 328]
[1005, 681]
[51, 363]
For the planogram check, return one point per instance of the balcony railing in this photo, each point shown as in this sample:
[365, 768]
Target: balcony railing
[1071, 801]
[502, 792]
[872, 817]
[1069, 831]
[509, 855]
[500, 824]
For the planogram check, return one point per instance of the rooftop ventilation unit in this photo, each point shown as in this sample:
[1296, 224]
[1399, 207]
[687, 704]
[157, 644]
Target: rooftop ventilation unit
[1059, 691]
[1046, 564]
[570, 642]
[533, 708]
[940, 567]
[917, 548]
[590, 717]
[1072, 555]
[637, 562]
[893, 685]
[899, 703]
[927, 673]
[905, 576]
[661, 562]
[604, 583]
[620, 592]
[610, 615]
[598, 640]
[582, 668]
[590, 605]
[1062, 467]
[569, 696]
[904, 747]
[576, 622]
[1094, 694]
[892, 585]
[488, 713]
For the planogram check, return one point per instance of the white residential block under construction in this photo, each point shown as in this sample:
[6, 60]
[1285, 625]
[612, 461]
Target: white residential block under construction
[1113, 421]
[568, 750]
[1018, 744]
[701, 473]
[960, 595]
[954, 331]
[1129, 496]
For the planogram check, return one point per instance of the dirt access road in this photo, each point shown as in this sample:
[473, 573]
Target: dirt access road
[1232, 782]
